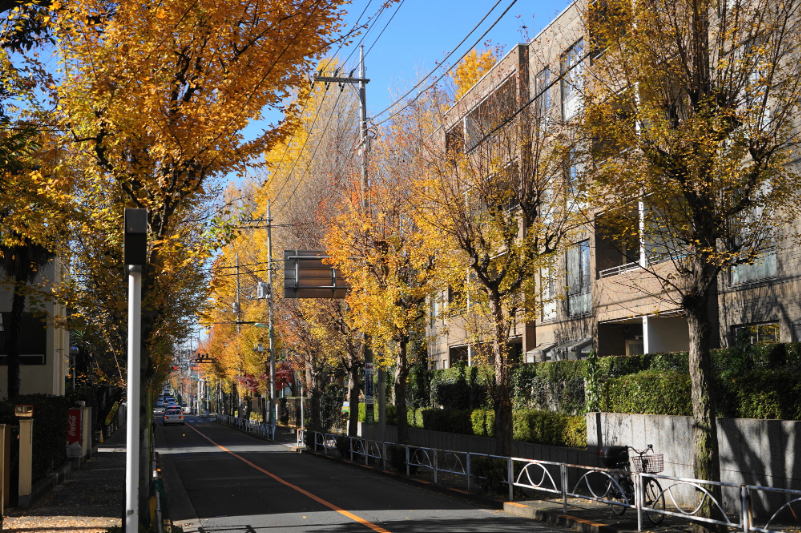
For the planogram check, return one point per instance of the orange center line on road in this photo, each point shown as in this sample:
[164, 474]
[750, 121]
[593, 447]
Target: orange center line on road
[338, 509]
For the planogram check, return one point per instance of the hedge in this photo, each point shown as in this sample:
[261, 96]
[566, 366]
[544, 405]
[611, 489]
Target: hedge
[530, 425]
[559, 386]
[49, 429]
[766, 394]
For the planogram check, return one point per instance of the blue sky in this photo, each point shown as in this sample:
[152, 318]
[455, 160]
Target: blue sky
[423, 32]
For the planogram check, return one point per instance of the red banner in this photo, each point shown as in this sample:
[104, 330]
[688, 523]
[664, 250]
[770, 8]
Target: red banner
[74, 433]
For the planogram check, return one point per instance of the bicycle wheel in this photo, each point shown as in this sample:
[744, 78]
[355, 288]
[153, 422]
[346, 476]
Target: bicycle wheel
[653, 499]
[614, 494]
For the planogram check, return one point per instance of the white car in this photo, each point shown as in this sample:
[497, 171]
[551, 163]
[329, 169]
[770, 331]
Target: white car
[173, 415]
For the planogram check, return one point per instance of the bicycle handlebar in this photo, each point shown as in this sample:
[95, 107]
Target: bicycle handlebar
[649, 447]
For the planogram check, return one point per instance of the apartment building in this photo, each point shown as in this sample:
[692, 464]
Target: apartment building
[599, 296]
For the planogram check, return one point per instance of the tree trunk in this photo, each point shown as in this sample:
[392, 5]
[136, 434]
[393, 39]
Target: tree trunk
[706, 463]
[353, 395]
[13, 340]
[502, 402]
[401, 373]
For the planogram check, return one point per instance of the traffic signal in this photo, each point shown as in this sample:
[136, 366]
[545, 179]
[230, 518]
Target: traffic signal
[175, 368]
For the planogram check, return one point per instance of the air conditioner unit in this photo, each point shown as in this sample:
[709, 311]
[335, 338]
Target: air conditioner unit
[262, 290]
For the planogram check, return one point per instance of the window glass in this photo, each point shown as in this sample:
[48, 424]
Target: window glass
[542, 81]
[578, 278]
[754, 334]
[572, 80]
[762, 268]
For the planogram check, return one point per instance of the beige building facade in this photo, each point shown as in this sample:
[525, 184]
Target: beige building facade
[600, 297]
[45, 347]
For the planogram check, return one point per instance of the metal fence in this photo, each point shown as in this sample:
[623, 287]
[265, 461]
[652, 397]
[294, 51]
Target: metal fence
[602, 485]
[251, 426]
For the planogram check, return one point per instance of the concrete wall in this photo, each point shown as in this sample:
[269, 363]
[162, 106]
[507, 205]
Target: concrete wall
[752, 451]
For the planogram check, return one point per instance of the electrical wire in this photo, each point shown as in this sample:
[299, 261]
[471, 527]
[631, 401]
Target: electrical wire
[375, 19]
[306, 101]
[306, 140]
[532, 99]
[446, 71]
[385, 27]
[322, 133]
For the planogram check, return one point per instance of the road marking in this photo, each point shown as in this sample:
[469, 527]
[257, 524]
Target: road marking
[336, 508]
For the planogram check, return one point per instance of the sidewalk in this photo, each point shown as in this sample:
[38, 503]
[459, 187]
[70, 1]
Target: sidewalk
[89, 501]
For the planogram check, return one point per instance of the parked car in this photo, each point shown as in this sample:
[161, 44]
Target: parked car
[173, 415]
[159, 403]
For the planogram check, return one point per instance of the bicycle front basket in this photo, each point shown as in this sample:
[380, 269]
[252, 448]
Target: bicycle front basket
[650, 464]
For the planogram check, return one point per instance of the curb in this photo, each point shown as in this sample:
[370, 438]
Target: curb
[45, 485]
[517, 509]
[433, 487]
[558, 518]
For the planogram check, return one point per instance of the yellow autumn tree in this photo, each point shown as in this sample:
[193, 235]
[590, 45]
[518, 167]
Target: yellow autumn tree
[470, 69]
[391, 264]
[691, 121]
[155, 98]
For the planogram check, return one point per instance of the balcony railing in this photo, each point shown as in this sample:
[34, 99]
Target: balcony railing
[620, 269]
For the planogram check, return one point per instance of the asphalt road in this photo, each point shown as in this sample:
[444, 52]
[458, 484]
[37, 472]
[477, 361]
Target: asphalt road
[221, 480]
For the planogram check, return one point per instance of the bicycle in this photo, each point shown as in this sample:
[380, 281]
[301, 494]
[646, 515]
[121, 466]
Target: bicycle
[622, 488]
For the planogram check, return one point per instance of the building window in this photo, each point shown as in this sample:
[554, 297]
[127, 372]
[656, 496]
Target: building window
[490, 113]
[763, 268]
[541, 87]
[548, 281]
[754, 334]
[579, 298]
[572, 80]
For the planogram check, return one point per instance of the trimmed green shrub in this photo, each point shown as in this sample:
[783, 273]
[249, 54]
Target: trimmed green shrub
[648, 392]
[771, 394]
[391, 417]
[483, 422]
[460, 387]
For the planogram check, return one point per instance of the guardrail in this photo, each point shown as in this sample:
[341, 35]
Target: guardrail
[596, 484]
[251, 426]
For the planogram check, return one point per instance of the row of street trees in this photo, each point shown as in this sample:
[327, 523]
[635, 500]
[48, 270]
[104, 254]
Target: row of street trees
[108, 105]
[687, 143]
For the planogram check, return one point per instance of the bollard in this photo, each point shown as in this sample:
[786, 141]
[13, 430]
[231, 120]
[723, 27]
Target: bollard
[25, 462]
[511, 478]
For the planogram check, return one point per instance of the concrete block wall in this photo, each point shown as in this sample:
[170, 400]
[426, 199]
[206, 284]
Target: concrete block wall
[752, 451]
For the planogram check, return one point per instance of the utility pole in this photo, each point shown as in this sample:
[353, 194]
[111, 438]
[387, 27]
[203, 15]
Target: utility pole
[369, 395]
[270, 317]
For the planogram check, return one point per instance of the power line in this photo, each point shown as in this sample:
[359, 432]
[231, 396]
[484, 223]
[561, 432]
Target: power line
[545, 89]
[306, 101]
[322, 138]
[306, 140]
[446, 71]
[385, 27]
[374, 21]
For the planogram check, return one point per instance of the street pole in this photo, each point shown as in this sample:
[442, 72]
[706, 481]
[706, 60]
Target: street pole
[132, 431]
[135, 258]
[369, 393]
[270, 306]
